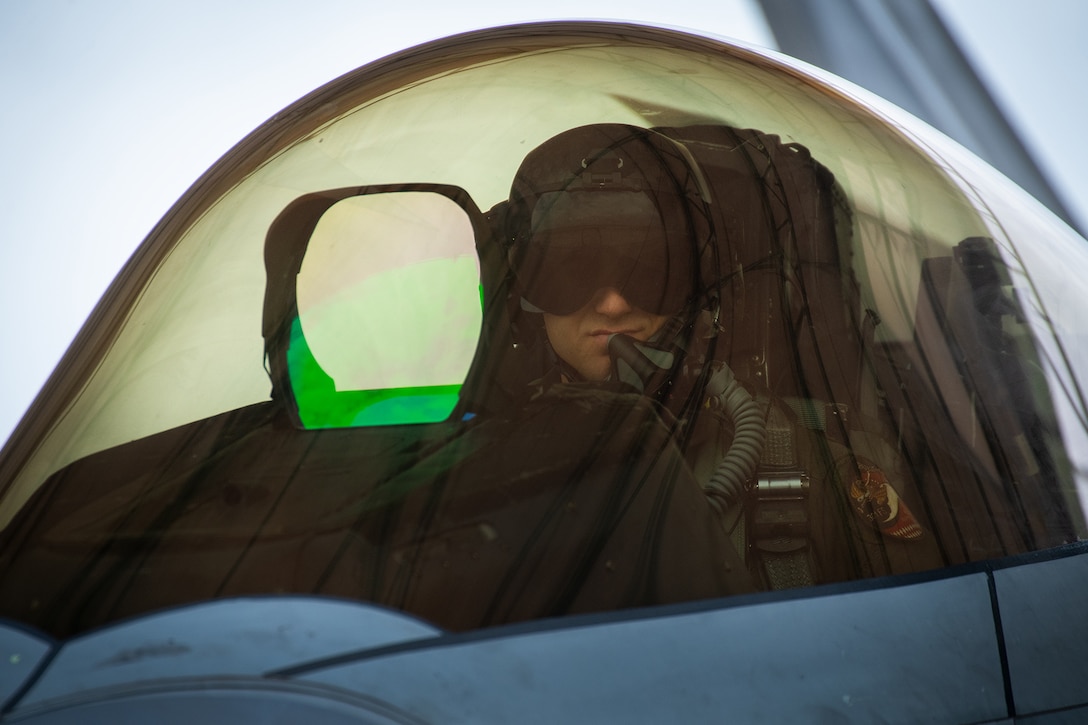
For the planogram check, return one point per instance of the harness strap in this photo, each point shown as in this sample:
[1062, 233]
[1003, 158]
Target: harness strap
[777, 522]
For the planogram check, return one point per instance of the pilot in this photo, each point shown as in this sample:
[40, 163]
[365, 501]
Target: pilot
[614, 256]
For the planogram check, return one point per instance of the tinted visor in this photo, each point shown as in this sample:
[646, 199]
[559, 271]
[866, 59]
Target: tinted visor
[581, 241]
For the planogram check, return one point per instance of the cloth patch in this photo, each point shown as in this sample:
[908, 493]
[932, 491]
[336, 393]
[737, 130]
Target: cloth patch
[877, 501]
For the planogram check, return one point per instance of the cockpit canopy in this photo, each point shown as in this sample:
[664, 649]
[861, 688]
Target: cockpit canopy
[326, 370]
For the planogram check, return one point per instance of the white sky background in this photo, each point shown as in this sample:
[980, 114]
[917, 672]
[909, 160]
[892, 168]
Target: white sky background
[111, 109]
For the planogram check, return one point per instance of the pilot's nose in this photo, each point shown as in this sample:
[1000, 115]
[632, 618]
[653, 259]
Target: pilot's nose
[609, 301]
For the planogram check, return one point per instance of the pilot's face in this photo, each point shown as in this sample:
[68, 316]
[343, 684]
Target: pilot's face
[581, 338]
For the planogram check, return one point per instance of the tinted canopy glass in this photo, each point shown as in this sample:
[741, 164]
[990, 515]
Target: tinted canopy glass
[338, 364]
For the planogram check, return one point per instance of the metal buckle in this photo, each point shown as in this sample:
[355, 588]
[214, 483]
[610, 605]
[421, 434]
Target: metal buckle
[778, 512]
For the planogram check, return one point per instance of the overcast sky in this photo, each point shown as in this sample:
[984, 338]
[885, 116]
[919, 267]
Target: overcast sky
[112, 108]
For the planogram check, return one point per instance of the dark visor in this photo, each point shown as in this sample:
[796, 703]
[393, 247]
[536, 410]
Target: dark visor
[583, 240]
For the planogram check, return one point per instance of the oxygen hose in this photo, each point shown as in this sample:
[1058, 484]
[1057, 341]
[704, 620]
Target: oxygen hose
[740, 462]
[643, 363]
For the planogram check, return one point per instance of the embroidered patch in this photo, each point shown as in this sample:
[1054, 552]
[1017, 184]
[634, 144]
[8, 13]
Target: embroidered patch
[877, 501]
